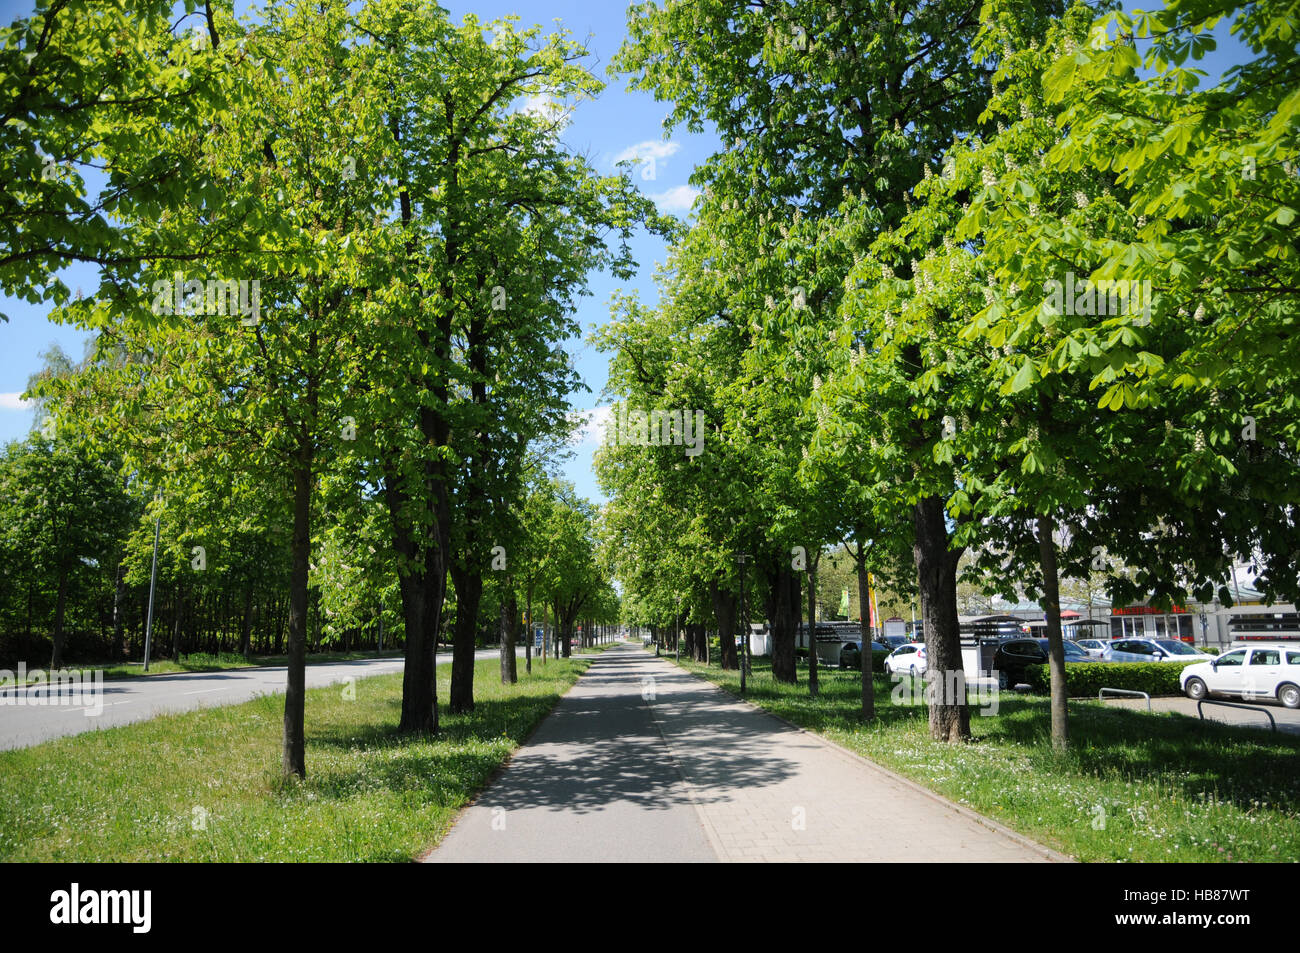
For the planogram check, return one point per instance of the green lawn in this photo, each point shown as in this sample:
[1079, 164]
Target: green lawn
[1135, 786]
[204, 785]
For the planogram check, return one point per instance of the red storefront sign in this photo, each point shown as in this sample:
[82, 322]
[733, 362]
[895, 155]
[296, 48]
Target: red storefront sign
[1150, 610]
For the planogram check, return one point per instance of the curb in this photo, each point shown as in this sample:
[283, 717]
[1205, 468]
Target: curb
[969, 814]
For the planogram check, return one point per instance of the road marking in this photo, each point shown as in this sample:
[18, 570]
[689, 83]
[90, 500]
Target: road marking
[93, 707]
[205, 691]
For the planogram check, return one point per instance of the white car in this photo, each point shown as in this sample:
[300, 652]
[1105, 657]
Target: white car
[1258, 671]
[906, 660]
[1096, 648]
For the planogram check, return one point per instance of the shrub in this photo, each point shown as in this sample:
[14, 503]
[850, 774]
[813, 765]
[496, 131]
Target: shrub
[1085, 679]
[1209, 650]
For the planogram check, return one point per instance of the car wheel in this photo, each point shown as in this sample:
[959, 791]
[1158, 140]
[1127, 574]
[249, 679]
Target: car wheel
[914, 670]
[1289, 695]
[1004, 681]
[1195, 689]
[888, 669]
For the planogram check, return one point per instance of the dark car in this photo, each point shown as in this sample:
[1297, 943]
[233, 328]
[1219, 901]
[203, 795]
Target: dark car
[851, 654]
[893, 641]
[1015, 655]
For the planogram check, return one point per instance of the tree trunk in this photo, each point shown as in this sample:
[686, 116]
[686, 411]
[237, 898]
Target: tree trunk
[864, 634]
[469, 593]
[528, 636]
[1055, 645]
[293, 762]
[701, 642]
[419, 573]
[176, 621]
[119, 612]
[60, 609]
[509, 634]
[783, 612]
[279, 630]
[812, 626]
[724, 610]
[936, 567]
[247, 632]
[565, 629]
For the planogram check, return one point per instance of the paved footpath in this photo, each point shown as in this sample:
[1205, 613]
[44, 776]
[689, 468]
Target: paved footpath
[642, 761]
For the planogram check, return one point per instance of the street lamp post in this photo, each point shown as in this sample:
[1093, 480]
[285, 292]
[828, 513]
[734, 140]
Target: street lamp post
[741, 559]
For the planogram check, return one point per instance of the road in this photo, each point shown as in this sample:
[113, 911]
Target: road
[126, 700]
[643, 762]
[1288, 719]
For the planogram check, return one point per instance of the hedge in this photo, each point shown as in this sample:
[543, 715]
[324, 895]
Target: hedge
[1085, 679]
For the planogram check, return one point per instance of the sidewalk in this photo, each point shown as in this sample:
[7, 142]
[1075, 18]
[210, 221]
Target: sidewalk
[640, 744]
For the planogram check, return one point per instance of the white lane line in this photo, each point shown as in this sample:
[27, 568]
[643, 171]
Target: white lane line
[93, 707]
[205, 691]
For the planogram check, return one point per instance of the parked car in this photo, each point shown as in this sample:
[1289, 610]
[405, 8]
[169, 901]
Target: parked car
[1013, 656]
[1152, 650]
[893, 641]
[851, 654]
[906, 659]
[1261, 671]
[1097, 648]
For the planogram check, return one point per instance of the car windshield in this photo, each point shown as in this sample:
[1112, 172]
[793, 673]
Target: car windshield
[1174, 647]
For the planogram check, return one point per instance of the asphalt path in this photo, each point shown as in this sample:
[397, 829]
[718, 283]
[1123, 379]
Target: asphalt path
[595, 783]
[642, 761]
[126, 700]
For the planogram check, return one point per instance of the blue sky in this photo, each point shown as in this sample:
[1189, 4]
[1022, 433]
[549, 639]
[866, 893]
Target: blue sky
[615, 125]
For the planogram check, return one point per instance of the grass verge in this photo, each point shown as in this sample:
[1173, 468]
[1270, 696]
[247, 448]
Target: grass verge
[1134, 786]
[204, 786]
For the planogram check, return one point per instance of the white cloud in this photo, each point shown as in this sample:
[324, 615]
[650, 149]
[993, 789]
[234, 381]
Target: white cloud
[658, 150]
[594, 424]
[541, 104]
[14, 402]
[677, 199]
[547, 109]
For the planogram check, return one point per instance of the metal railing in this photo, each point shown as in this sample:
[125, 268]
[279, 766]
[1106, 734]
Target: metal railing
[1213, 701]
[1123, 691]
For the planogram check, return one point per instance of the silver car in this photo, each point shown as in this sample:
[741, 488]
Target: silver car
[1154, 650]
[1097, 648]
